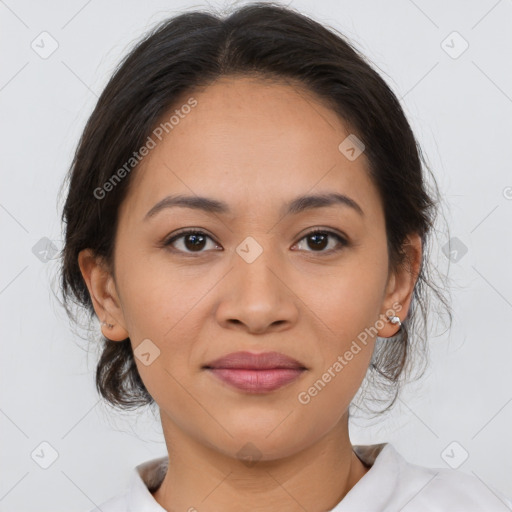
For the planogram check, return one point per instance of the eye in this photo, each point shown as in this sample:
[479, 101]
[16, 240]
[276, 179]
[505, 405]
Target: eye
[193, 241]
[318, 239]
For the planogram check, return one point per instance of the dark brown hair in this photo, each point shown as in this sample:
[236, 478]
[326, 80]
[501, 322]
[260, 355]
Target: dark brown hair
[274, 42]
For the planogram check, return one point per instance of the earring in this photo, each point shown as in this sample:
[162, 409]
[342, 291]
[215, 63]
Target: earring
[394, 320]
[107, 324]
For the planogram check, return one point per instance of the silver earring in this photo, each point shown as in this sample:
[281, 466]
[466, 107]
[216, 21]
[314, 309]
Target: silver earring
[107, 324]
[395, 320]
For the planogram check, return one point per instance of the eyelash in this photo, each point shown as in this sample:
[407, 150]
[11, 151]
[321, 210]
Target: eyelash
[342, 241]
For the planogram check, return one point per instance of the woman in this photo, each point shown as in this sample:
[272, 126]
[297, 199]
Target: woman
[248, 218]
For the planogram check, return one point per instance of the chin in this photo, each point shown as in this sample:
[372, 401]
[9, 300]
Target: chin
[267, 444]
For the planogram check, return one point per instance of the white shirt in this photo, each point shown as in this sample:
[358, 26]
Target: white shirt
[391, 484]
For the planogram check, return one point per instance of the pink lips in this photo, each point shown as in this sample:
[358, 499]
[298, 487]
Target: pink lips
[256, 373]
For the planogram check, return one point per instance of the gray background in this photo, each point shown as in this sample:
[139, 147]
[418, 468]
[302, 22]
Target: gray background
[459, 105]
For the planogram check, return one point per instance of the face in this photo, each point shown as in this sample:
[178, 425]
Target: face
[252, 276]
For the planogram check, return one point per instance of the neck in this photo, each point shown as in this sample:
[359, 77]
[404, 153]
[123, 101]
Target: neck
[315, 478]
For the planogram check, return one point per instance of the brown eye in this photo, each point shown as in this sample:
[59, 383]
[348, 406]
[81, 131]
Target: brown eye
[191, 241]
[318, 240]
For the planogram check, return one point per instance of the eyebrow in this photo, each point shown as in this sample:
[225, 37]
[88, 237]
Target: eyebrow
[293, 207]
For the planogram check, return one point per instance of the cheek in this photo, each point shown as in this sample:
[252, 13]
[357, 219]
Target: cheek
[348, 309]
[345, 358]
[346, 300]
[156, 293]
[158, 309]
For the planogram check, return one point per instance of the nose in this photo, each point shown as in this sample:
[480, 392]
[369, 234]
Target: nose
[257, 297]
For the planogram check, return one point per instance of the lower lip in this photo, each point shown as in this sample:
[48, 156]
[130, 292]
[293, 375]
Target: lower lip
[257, 381]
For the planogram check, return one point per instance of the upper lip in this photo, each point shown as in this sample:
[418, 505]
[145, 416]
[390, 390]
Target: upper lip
[252, 361]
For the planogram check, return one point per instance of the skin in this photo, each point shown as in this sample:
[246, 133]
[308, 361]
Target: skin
[254, 145]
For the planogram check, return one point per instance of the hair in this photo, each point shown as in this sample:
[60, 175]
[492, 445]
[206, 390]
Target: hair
[267, 41]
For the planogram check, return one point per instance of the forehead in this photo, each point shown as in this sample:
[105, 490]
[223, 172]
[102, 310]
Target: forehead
[252, 144]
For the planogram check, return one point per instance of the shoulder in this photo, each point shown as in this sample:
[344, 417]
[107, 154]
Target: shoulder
[428, 489]
[137, 495]
[462, 491]
[392, 483]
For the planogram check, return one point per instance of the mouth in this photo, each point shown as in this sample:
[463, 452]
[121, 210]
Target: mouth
[256, 373]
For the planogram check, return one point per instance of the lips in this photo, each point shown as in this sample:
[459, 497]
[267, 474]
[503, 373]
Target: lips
[256, 373]
[251, 361]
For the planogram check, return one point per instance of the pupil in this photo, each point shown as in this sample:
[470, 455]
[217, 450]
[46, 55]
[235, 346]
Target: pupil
[197, 240]
[316, 237]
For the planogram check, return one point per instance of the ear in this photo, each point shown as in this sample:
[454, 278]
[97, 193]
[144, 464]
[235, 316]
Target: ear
[400, 287]
[102, 289]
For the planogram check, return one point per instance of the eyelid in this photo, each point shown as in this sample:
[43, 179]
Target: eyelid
[168, 241]
[341, 238]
